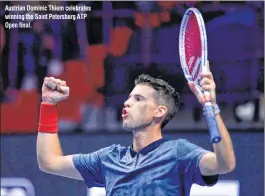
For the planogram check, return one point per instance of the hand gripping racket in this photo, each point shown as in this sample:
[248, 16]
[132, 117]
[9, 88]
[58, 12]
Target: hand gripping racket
[193, 59]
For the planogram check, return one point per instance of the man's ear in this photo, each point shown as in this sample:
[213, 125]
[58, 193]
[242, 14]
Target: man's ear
[161, 111]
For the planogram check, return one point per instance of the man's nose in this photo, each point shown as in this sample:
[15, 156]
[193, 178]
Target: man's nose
[127, 103]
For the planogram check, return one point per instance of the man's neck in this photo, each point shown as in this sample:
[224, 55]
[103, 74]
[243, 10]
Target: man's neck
[143, 138]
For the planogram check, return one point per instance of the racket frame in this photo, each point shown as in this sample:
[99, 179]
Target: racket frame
[209, 113]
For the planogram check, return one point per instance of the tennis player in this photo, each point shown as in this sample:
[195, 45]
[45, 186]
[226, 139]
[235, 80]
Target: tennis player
[152, 165]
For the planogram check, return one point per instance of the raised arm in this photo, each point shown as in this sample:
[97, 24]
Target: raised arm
[51, 159]
[49, 153]
[222, 160]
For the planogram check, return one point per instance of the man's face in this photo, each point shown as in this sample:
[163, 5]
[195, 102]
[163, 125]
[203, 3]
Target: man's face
[140, 108]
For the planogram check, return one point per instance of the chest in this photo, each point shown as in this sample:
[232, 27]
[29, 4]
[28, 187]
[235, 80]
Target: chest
[154, 169]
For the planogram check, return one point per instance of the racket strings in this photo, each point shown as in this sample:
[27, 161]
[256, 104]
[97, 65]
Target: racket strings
[193, 46]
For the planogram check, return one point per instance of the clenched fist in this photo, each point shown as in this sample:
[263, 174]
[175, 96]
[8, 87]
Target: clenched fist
[54, 90]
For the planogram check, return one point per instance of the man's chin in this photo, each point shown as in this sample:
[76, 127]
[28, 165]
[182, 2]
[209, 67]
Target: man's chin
[134, 127]
[126, 127]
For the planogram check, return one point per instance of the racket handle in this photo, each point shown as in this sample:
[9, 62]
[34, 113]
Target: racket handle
[212, 124]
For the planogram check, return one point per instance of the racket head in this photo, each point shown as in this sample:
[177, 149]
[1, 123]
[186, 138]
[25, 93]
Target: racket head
[193, 45]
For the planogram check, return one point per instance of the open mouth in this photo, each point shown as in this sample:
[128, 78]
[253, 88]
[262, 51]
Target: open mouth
[124, 113]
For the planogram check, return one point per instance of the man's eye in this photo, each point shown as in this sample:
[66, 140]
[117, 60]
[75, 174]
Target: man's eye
[138, 98]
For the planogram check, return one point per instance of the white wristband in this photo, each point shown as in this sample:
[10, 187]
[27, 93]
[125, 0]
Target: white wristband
[216, 110]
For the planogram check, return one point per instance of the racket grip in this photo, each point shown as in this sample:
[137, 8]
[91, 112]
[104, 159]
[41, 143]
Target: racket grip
[212, 124]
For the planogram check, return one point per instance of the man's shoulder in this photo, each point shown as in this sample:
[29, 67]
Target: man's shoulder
[180, 145]
[176, 142]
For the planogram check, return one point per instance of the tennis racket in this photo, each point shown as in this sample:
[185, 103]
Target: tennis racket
[193, 58]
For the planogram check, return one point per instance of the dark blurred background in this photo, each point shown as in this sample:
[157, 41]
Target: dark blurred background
[99, 58]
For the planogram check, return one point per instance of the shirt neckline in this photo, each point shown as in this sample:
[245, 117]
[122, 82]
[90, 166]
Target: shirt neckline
[148, 148]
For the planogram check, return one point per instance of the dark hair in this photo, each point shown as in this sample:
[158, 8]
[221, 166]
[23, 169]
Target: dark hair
[165, 95]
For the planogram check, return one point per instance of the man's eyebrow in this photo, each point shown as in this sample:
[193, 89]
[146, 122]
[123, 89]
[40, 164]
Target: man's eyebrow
[137, 95]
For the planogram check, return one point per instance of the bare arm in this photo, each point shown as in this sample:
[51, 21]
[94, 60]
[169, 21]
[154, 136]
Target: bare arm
[49, 153]
[51, 159]
[223, 159]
